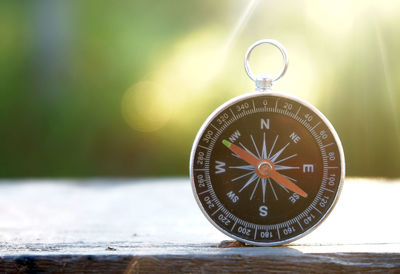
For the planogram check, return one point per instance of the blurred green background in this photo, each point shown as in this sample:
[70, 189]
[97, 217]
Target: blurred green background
[120, 88]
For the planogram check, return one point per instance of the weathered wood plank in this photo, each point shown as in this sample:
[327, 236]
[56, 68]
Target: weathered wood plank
[123, 225]
[309, 263]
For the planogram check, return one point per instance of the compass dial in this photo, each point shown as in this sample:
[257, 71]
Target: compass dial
[266, 168]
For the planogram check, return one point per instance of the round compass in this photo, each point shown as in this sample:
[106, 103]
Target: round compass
[266, 168]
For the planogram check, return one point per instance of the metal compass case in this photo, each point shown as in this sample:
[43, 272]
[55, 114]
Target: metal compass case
[266, 167]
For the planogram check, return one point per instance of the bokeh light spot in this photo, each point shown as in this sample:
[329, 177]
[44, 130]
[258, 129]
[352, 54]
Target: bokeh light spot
[146, 106]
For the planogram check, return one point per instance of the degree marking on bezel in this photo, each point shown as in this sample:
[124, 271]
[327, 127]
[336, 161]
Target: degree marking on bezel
[214, 127]
[233, 114]
[300, 225]
[204, 192]
[316, 125]
[297, 113]
[206, 148]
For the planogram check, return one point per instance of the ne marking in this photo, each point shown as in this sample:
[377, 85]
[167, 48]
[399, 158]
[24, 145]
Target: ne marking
[331, 167]
[279, 235]
[276, 104]
[315, 126]
[254, 106]
[255, 234]
[200, 169]
[204, 192]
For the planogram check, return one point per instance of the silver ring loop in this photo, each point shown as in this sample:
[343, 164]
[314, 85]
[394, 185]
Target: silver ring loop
[266, 41]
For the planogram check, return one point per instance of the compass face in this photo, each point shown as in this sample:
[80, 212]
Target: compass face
[266, 168]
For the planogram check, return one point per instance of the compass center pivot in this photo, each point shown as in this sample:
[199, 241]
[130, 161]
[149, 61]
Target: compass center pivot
[264, 169]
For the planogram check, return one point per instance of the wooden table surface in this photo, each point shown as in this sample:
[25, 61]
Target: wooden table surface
[142, 225]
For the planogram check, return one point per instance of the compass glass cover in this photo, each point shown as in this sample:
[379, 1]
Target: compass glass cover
[266, 168]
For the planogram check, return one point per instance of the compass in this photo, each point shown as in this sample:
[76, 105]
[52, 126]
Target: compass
[266, 167]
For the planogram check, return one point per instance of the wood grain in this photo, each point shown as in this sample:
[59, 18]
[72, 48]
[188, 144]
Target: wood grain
[155, 225]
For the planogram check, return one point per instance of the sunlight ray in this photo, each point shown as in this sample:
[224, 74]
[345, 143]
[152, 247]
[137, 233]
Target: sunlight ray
[240, 24]
[388, 82]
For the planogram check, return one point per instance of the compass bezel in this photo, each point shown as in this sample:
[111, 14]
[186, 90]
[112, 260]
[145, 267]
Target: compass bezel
[235, 100]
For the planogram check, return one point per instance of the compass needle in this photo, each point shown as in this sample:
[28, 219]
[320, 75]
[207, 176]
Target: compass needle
[280, 179]
[243, 154]
[266, 167]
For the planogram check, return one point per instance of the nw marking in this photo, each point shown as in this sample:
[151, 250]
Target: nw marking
[234, 136]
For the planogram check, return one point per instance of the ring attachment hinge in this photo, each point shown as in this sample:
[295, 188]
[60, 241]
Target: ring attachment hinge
[264, 81]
